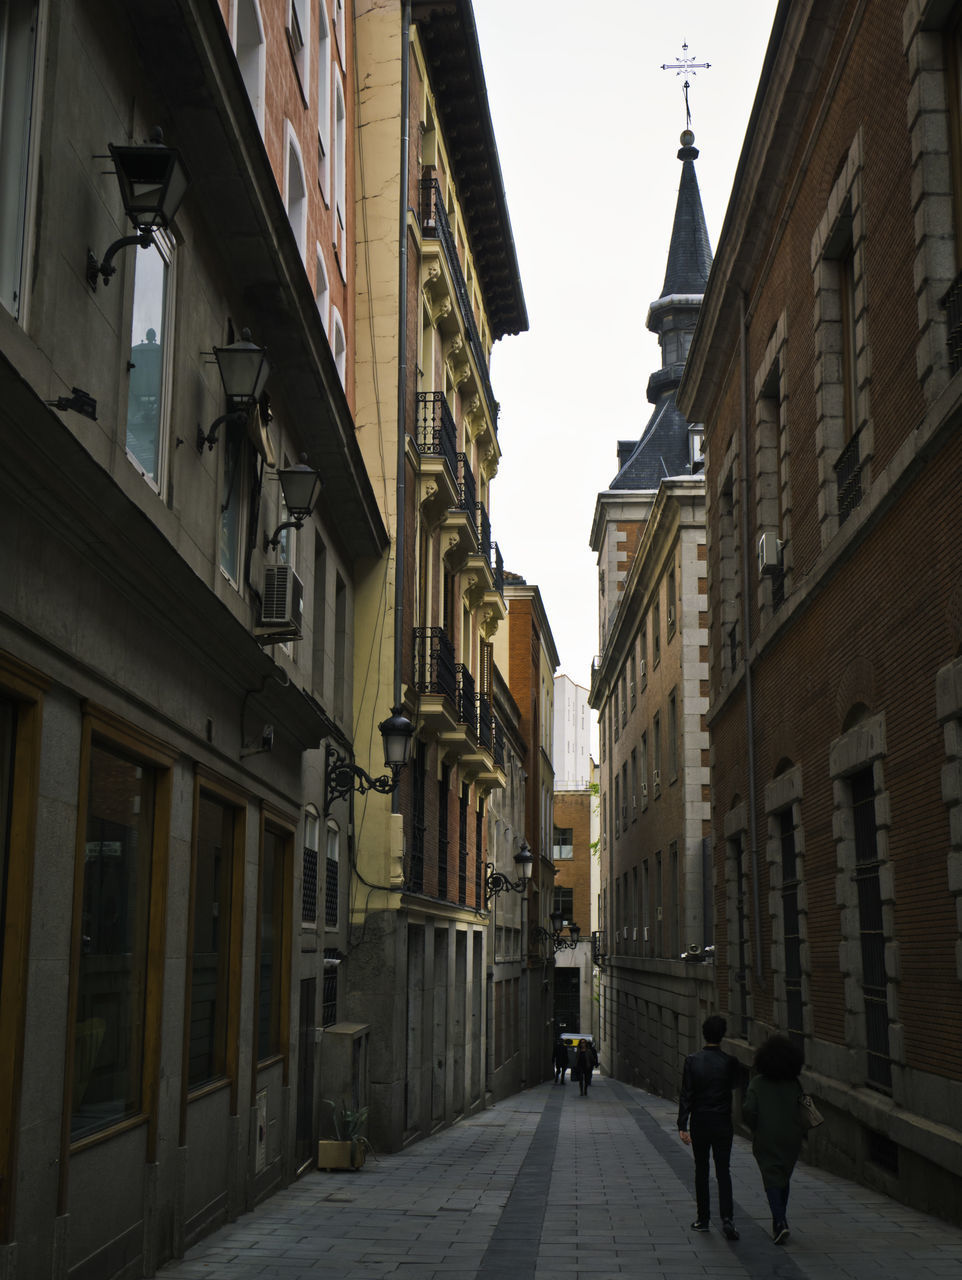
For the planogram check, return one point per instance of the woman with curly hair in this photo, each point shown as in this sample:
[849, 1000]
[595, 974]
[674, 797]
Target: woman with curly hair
[771, 1110]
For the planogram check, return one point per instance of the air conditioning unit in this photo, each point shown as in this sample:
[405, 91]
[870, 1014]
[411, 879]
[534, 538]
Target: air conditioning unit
[282, 604]
[769, 553]
[643, 668]
[644, 791]
[634, 935]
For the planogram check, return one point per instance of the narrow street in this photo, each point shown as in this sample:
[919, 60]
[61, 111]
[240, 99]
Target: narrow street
[549, 1183]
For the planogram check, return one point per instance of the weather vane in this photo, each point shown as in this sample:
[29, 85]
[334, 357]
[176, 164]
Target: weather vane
[686, 66]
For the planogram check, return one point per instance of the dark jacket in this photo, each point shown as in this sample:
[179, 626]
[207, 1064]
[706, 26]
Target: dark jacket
[560, 1054]
[771, 1110]
[707, 1081]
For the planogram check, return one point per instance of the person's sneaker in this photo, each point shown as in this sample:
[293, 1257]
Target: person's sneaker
[699, 1225]
[780, 1234]
[728, 1230]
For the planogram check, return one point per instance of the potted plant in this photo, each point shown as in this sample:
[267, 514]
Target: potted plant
[348, 1149]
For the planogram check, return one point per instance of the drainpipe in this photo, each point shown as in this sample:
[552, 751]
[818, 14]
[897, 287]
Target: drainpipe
[402, 370]
[746, 617]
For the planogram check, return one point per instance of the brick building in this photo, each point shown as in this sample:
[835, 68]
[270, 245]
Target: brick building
[825, 371]
[576, 854]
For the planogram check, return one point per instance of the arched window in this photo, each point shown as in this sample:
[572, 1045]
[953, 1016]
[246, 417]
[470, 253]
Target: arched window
[339, 345]
[332, 880]
[322, 292]
[324, 104]
[340, 162]
[250, 48]
[295, 189]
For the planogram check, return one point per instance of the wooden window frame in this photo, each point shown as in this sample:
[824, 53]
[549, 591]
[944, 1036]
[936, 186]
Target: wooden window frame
[103, 726]
[281, 827]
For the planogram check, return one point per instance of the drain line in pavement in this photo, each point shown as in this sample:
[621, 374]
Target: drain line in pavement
[513, 1249]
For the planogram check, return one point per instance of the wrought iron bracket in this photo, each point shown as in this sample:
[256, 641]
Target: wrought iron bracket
[496, 882]
[106, 268]
[342, 777]
[557, 940]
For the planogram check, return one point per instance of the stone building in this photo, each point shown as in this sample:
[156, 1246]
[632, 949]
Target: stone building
[825, 370]
[437, 285]
[175, 642]
[648, 686]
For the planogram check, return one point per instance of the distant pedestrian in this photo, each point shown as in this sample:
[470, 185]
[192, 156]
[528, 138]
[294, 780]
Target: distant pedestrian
[560, 1060]
[705, 1105]
[585, 1061]
[772, 1111]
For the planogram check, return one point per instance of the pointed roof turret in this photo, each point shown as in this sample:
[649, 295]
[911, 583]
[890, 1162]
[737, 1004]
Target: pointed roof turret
[689, 255]
[665, 445]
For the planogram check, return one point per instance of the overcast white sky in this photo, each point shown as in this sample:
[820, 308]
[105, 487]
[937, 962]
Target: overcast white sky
[587, 125]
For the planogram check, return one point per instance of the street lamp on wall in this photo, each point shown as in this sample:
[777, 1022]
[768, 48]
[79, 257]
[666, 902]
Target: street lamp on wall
[301, 487]
[243, 370]
[343, 776]
[153, 180]
[497, 882]
[556, 935]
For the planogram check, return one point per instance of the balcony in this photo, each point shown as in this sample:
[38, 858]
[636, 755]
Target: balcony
[467, 714]
[438, 456]
[435, 226]
[460, 520]
[435, 678]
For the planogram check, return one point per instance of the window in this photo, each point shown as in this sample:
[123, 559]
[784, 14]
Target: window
[298, 36]
[148, 389]
[773, 502]
[329, 995]
[18, 36]
[644, 653]
[794, 1023]
[295, 190]
[564, 901]
[332, 883]
[672, 603]
[644, 770]
[656, 632]
[463, 845]
[339, 222]
[339, 29]
[634, 783]
[624, 795]
[632, 677]
[319, 654]
[617, 804]
[312, 823]
[866, 881]
[219, 845]
[251, 50]
[339, 345]
[324, 103]
[322, 293]
[624, 699]
[656, 750]
[672, 735]
[563, 845]
[844, 435]
[418, 783]
[788, 910]
[124, 808]
[342, 691]
[616, 718]
[444, 790]
[272, 974]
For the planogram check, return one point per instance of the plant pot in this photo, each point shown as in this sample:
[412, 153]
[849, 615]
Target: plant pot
[333, 1154]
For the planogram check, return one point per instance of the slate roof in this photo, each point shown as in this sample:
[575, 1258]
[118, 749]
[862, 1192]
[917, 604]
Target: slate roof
[664, 449]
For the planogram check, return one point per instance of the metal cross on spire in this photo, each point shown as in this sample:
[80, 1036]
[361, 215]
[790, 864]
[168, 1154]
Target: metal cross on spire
[685, 66]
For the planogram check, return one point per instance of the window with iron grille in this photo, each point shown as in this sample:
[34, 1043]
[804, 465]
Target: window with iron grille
[444, 788]
[463, 847]
[309, 868]
[871, 929]
[332, 877]
[478, 854]
[418, 780]
[329, 1004]
[795, 1024]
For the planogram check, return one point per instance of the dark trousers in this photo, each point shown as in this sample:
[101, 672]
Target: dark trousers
[778, 1199]
[711, 1137]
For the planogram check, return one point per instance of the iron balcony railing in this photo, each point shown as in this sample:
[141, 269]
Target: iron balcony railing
[437, 434]
[484, 530]
[467, 714]
[434, 666]
[485, 726]
[952, 301]
[434, 223]
[467, 485]
[848, 476]
[497, 569]
[498, 751]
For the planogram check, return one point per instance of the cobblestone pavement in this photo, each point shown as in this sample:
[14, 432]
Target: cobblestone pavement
[551, 1185]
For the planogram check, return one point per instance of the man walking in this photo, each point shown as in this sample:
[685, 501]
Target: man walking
[705, 1105]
